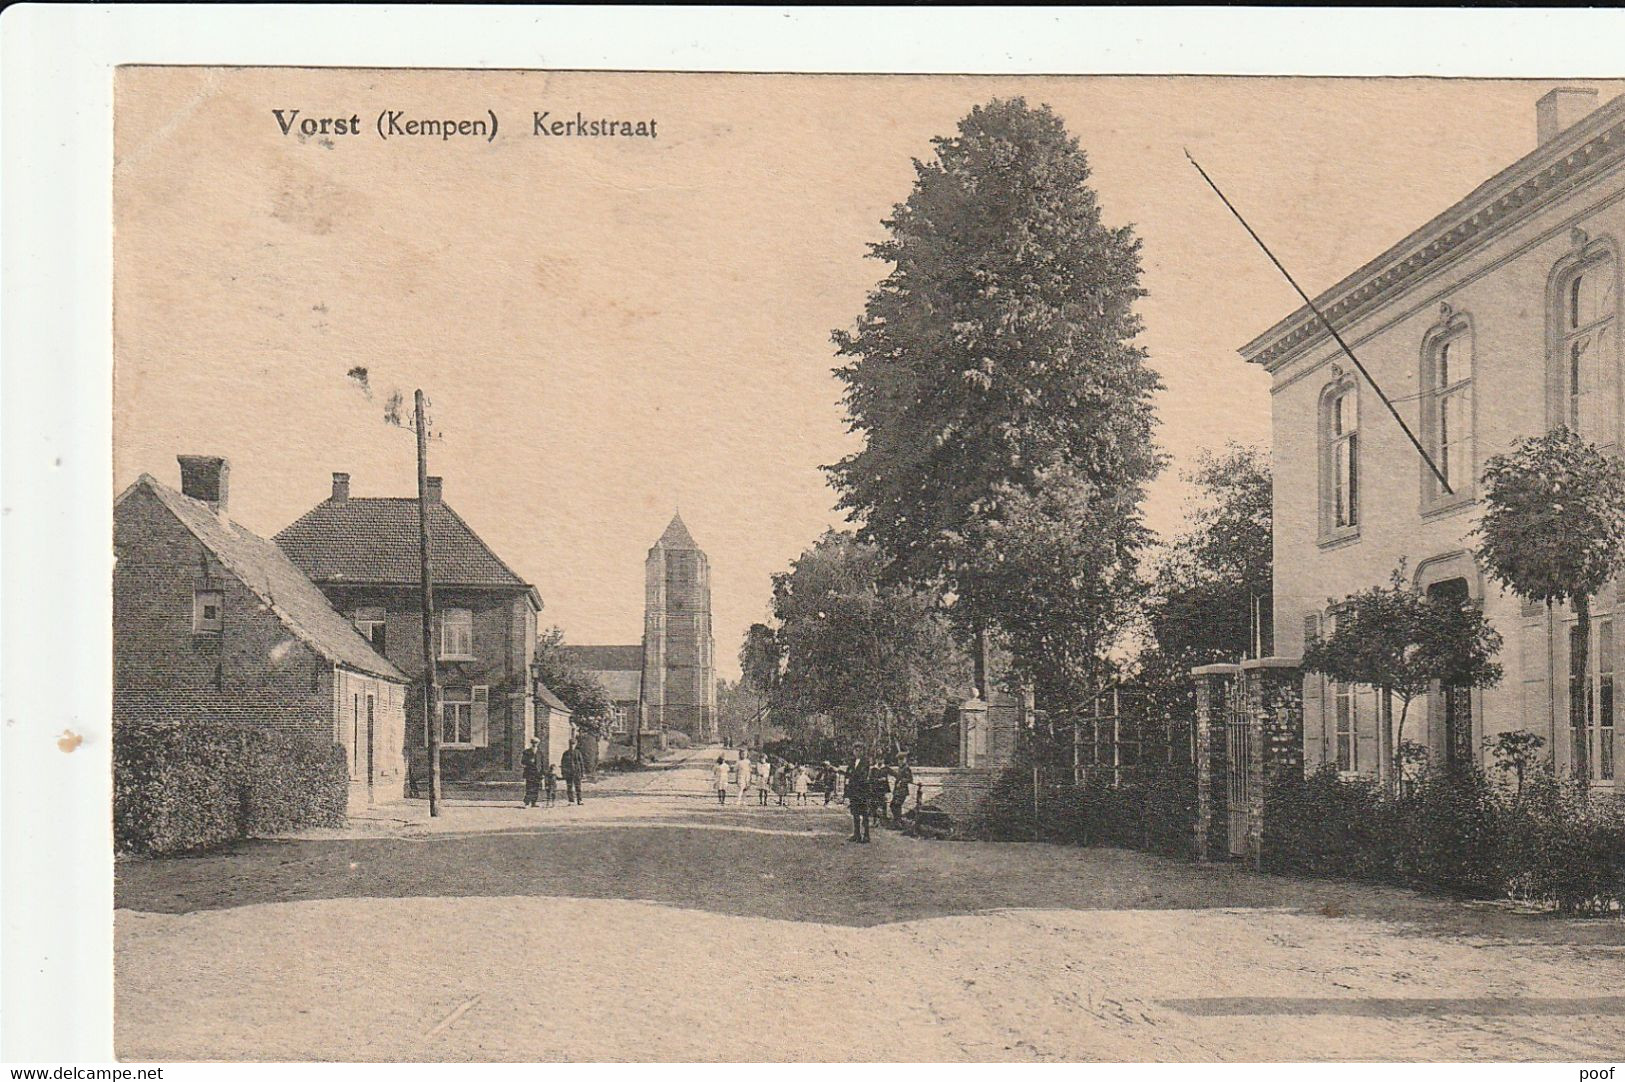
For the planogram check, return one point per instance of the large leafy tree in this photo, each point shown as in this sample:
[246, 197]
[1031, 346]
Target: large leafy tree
[588, 701]
[1401, 641]
[1553, 531]
[1211, 578]
[871, 656]
[994, 377]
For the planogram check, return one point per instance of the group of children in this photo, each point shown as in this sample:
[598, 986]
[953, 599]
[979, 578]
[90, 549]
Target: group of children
[762, 775]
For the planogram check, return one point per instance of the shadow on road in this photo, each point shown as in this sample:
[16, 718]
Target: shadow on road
[776, 864]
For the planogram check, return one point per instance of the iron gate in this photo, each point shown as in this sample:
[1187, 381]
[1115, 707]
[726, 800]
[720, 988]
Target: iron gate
[1238, 773]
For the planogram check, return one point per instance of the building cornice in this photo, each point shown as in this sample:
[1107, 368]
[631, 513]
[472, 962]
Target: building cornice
[1589, 149]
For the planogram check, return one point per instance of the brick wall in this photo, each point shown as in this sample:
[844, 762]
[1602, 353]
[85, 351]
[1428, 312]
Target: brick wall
[253, 671]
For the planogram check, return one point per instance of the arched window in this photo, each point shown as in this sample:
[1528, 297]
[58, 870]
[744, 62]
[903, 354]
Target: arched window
[1587, 302]
[1340, 461]
[1447, 375]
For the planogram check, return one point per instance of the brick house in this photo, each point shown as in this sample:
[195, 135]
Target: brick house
[1496, 320]
[213, 625]
[363, 554]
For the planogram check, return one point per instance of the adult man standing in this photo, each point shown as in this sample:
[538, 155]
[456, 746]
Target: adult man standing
[530, 760]
[857, 794]
[571, 765]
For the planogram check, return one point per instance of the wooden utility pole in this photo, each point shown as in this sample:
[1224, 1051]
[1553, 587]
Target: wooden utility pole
[430, 722]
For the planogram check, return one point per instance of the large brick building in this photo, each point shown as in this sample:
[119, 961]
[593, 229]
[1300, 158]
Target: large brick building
[672, 673]
[213, 625]
[1496, 320]
[363, 554]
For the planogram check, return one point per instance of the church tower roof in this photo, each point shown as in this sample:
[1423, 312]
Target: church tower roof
[677, 536]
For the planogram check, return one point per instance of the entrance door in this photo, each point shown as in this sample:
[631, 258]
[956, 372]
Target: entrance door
[1455, 705]
[371, 771]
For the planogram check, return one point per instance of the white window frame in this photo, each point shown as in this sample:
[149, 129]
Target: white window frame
[1449, 385]
[1341, 498]
[1601, 701]
[202, 625]
[460, 724]
[458, 634]
[1572, 333]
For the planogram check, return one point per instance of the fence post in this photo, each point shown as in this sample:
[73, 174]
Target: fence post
[1274, 708]
[1211, 749]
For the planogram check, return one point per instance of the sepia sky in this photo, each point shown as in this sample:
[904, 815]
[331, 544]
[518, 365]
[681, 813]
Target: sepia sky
[612, 328]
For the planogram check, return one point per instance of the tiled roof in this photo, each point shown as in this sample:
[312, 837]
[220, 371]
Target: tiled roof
[545, 693]
[266, 570]
[606, 658]
[677, 535]
[375, 542]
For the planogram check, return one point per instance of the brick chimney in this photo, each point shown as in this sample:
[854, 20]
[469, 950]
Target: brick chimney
[341, 487]
[206, 477]
[434, 489]
[1561, 109]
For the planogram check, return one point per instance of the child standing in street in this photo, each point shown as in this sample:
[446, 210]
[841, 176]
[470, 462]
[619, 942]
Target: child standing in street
[719, 778]
[550, 785]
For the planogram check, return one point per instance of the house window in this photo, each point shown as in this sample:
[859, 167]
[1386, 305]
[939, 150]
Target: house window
[1346, 727]
[1591, 703]
[456, 633]
[206, 611]
[369, 621]
[1588, 352]
[465, 716]
[617, 719]
[1340, 465]
[1449, 379]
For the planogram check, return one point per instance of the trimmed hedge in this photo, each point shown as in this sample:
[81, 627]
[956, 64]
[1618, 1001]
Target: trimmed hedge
[178, 788]
[1454, 832]
[1153, 809]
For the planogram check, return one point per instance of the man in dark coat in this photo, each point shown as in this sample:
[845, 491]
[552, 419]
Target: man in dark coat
[857, 794]
[571, 766]
[529, 760]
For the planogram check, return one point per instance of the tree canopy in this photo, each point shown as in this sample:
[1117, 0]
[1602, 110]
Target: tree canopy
[872, 656]
[994, 377]
[1400, 640]
[579, 690]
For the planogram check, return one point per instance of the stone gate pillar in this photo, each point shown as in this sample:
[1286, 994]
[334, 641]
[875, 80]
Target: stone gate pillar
[975, 735]
[1214, 686]
[1274, 705]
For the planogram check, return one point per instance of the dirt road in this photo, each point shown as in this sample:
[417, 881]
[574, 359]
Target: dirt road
[650, 924]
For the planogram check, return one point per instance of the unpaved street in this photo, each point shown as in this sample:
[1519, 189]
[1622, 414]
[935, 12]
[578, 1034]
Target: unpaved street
[649, 924]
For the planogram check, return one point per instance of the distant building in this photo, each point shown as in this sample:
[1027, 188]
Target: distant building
[672, 673]
[215, 626]
[363, 553]
[619, 669]
[1496, 320]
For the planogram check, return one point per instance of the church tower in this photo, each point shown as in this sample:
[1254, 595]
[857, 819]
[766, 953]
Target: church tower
[679, 669]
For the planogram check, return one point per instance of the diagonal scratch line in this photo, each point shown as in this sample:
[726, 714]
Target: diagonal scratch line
[447, 1022]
